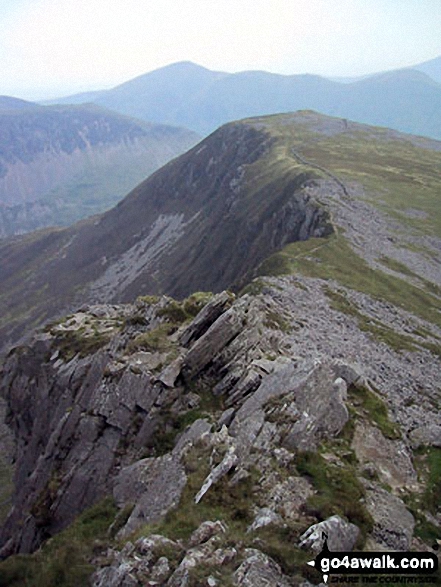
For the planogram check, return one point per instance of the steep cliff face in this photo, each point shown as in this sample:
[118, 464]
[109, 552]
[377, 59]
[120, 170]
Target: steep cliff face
[61, 164]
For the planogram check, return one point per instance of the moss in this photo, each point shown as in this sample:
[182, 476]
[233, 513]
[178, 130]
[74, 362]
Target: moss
[338, 491]
[153, 340]
[173, 312]
[194, 303]
[73, 342]
[279, 544]
[63, 561]
[275, 321]
[375, 409]
[253, 288]
[428, 464]
[148, 300]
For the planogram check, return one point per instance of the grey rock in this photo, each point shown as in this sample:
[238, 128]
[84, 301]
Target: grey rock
[342, 535]
[209, 314]
[390, 458]
[206, 531]
[426, 436]
[197, 430]
[120, 576]
[227, 417]
[171, 372]
[153, 485]
[229, 461]
[289, 497]
[259, 570]
[312, 399]
[393, 523]
[161, 570]
[204, 350]
[265, 517]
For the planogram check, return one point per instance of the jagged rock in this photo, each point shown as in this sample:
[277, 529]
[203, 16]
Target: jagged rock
[426, 435]
[265, 517]
[259, 570]
[390, 458]
[137, 564]
[199, 429]
[147, 545]
[342, 535]
[246, 385]
[206, 554]
[209, 314]
[220, 333]
[171, 372]
[393, 523]
[312, 397]
[206, 531]
[351, 373]
[120, 576]
[229, 461]
[153, 485]
[226, 417]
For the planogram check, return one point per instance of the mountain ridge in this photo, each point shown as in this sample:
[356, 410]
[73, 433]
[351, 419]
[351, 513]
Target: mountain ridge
[213, 439]
[189, 95]
[244, 185]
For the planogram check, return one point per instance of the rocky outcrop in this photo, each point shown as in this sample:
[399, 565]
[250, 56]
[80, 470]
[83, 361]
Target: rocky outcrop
[188, 412]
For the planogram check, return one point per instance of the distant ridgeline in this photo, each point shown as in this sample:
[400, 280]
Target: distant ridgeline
[61, 164]
[185, 94]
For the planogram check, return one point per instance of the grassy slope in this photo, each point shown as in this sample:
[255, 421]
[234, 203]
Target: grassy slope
[396, 175]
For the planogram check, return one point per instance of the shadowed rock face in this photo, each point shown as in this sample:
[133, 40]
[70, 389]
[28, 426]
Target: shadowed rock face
[61, 164]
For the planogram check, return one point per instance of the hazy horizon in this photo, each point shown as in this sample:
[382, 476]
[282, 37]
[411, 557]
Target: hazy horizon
[53, 48]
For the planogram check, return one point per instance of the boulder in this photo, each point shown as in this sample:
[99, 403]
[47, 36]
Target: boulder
[342, 535]
[390, 458]
[429, 435]
[393, 523]
[209, 314]
[259, 570]
[153, 485]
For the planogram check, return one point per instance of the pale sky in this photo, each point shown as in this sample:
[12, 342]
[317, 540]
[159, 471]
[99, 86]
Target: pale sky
[50, 48]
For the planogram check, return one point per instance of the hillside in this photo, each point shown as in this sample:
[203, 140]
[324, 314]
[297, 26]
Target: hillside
[188, 95]
[211, 440]
[60, 164]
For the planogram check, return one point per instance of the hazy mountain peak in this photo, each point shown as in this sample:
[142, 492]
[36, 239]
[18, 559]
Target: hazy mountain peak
[10, 103]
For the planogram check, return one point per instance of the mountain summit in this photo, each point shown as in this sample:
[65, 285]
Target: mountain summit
[185, 94]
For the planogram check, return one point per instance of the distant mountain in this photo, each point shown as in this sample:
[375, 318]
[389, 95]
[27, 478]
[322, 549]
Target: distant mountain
[431, 68]
[184, 94]
[10, 103]
[60, 164]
